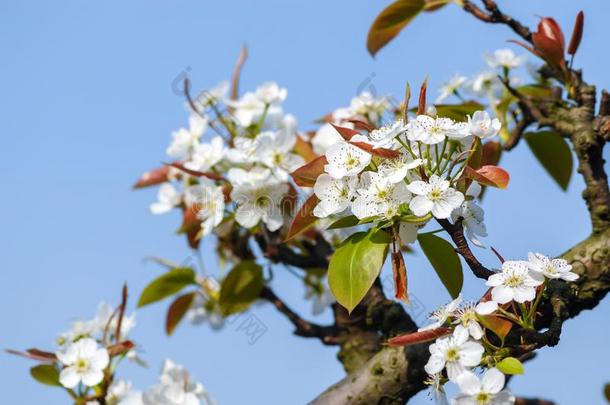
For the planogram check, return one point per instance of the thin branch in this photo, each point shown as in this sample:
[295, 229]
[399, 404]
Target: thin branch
[327, 334]
[456, 231]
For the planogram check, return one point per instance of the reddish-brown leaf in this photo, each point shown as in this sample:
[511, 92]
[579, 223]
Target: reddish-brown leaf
[34, 354]
[360, 125]
[304, 149]
[305, 176]
[177, 310]
[421, 106]
[120, 348]
[419, 337]
[304, 217]
[496, 324]
[390, 22]
[346, 133]
[549, 42]
[155, 176]
[399, 271]
[577, 33]
[489, 175]
[381, 152]
[492, 151]
[241, 59]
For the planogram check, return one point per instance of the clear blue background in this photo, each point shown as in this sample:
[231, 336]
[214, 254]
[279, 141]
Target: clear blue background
[86, 105]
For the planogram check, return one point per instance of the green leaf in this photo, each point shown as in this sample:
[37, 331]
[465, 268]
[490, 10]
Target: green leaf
[349, 221]
[177, 310]
[46, 374]
[356, 264]
[458, 112]
[167, 284]
[444, 260]
[553, 153]
[241, 287]
[391, 21]
[510, 365]
[433, 5]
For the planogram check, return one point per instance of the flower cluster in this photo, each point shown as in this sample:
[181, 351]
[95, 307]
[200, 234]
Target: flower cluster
[406, 173]
[466, 346]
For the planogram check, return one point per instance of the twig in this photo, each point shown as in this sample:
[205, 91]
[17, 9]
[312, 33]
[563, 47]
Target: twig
[456, 231]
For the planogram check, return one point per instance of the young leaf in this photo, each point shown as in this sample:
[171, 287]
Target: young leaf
[177, 310]
[304, 218]
[46, 374]
[304, 149]
[554, 155]
[167, 284]
[576, 33]
[356, 264]
[150, 178]
[305, 176]
[419, 337]
[423, 90]
[510, 366]
[497, 325]
[381, 152]
[458, 112]
[390, 22]
[399, 272]
[195, 173]
[346, 133]
[444, 260]
[240, 288]
[489, 175]
[433, 5]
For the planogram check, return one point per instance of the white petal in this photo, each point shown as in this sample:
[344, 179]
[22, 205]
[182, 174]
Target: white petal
[493, 381]
[92, 377]
[419, 187]
[469, 383]
[247, 215]
[435, 365]
[471, 353]
[407, 232]
[68, 377]
[486, 308]
[502, 294]
[524, 294]
[420, 205]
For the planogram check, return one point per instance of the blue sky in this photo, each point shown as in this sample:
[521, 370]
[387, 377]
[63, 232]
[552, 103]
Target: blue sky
[87, 106]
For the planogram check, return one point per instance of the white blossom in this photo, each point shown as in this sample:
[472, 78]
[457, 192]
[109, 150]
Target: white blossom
[379, 196]
[407, 232]
[257, 200]
[456, 353]
[486, 307]
[483, 126]
[515, 282]
[83, 362]
[365, 104]
[451, 87]
[466, 318]
[431, 130]
[434, 196]
[214, 95]
[121, 393]
[382, 137]
[472, 217]
[442, 314]
[396, 169]
[206, 155]
[504, 58]
[326, 136]
[335, 195]
[209, 202]
[273, 149]
[551, 268]
[484, 391]
[168, 198]
[345, 160]
[437, 389]
[176, 387]
[184, 140]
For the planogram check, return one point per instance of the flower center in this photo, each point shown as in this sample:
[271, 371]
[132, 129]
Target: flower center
[452, 354]
[277, 158]
[483, 398]
[513, 281]
[435, 195]
[81, 365]
[262, 201]
[351, 161]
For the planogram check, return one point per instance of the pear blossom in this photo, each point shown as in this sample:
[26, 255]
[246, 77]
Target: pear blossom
[451, 87]
[504, 58]
[184, 140]
[434, 196]
[345, 159]
[483, 126]
[365, 104]
[176, 387]
[83, 362]
[382, 137]
[485, 82]
[435, 381]
[121, 393]
[168, 198]
[244, 151]
[335, 195]
[214, 95]
[472, 217]
[209, 201]
[551, 268]
[107, 317]
[486, 307]
[485, 391]
[466, 318]
[395, 170]
[515, 282]
[259, 201]
[205, 307]
[273, 150]
[441, 315]
[456, 353]
[206, 155]
[379, 196]
[429, 130]
[326, 136]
